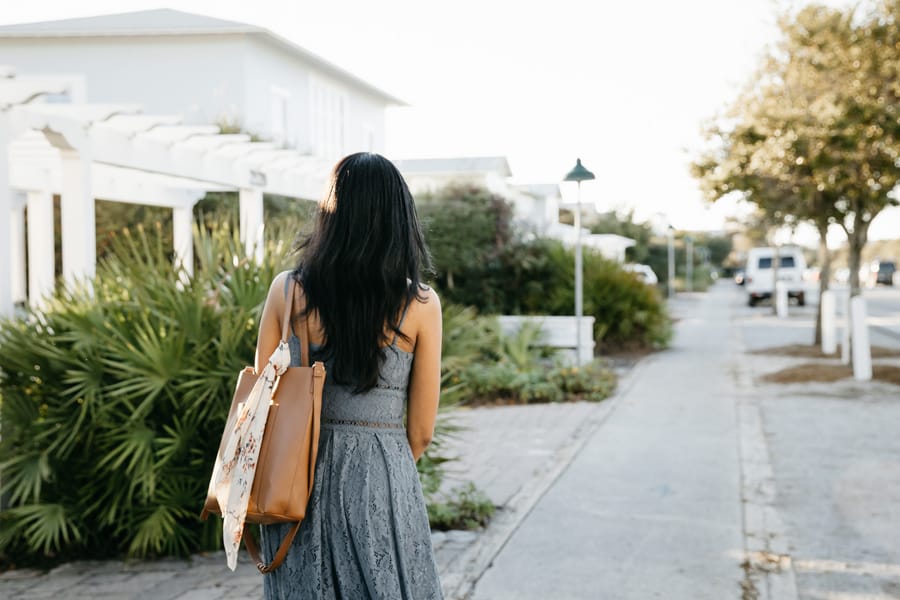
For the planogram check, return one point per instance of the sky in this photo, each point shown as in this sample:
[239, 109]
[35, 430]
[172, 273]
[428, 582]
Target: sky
[625, 86]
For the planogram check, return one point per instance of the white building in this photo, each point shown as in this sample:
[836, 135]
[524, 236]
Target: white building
[210, 71]
[128, 108]
[535, 206]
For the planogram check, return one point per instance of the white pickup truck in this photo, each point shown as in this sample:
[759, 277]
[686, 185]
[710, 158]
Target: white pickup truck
[759, 273]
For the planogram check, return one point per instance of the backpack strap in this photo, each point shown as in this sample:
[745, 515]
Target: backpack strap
[288, 314]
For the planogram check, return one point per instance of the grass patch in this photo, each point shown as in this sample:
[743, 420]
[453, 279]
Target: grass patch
[829, 372]
[815, 351]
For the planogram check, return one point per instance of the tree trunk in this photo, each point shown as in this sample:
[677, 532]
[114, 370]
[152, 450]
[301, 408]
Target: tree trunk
[776, 260]
[856, 241]
[824, 276]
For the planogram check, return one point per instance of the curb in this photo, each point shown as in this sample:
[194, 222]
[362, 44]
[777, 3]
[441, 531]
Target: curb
[464, 572]
[767, 564]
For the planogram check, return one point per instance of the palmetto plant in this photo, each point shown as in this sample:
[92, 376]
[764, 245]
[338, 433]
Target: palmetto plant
[114, 400]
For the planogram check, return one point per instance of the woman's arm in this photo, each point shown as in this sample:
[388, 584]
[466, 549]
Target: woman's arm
[425, 378]
[270, 322]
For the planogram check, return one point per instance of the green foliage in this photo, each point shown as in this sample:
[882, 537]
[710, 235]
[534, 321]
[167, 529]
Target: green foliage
[466, 508]
[114, 400]
[481, 366]
[465, 225]
[483, 263]
[625, 225]
[816, 135]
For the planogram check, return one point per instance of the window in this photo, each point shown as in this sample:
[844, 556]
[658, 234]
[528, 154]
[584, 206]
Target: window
[278, 125]
[785, 262]
[328, 115]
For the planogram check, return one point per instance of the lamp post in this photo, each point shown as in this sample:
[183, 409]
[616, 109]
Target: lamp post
[671, 282]
[689, 267]
[578, 174]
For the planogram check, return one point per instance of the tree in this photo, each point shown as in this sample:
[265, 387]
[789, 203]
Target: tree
[466, 226]
[816, 135]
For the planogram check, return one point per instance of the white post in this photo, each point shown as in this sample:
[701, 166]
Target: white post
[251, 222]
[671, 265]
[183, 237]
[781, 299]
[17, 250]
[579, 305]
[829, 325]
[862, 352]
[79, 227]
[689, 267]
[6, 301]
[41, 247]
[845, 334]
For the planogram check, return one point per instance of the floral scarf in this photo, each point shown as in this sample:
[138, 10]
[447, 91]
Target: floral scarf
[237, 465]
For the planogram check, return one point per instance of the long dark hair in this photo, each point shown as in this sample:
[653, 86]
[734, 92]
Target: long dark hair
[362, 264]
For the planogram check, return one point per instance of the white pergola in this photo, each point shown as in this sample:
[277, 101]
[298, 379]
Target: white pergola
[82, 152]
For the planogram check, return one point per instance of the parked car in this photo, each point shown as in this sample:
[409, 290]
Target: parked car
[883, 272]
[739, 277]
[644, 273]
[759, 278]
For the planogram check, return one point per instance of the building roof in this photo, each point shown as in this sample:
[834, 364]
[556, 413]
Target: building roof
[145, 22]
[540, 190]
[461, 165]
[165, 21]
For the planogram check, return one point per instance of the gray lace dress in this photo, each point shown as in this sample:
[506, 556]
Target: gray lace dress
[366, 532]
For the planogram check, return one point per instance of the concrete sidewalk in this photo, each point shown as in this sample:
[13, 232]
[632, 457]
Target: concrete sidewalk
[651, 507]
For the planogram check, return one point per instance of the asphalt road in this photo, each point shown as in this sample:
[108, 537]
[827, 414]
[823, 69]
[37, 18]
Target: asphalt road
[883, 306]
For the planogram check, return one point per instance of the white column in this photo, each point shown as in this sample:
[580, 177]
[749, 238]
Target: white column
[41, 249]
[6, 302]
[829, 323]
[845, 334]
[79, 228]
[862, 352]
[183, 236]
[17, 249]
[781, 299]
[251, 222]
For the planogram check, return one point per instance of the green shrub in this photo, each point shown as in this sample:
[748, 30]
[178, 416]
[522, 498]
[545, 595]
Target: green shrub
[481, 366]
[465, 508]
[114, 401]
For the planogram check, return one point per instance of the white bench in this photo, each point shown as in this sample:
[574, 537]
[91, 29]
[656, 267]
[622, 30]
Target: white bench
[557, 332]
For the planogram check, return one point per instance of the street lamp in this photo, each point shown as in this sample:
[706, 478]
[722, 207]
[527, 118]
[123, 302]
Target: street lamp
[578, 174]
[689, 267]
[671, 283]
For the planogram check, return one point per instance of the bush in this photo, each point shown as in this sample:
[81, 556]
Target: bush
[113, 402]
[481, 366]
[628, 314]
[537, 277]
[465, 508]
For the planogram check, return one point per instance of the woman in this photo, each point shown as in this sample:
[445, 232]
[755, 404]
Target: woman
[377, 328]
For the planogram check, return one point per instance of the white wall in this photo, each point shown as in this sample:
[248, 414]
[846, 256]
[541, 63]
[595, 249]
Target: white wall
[326, 115]
[271, 75]
[190, 75]
[256, 83]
